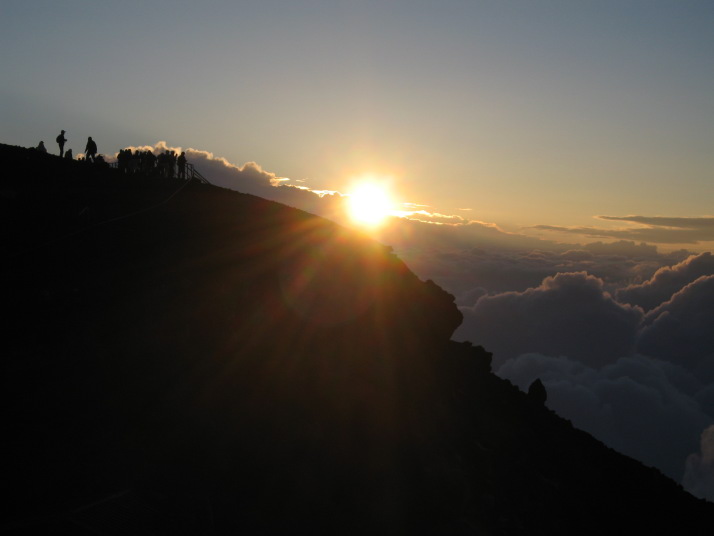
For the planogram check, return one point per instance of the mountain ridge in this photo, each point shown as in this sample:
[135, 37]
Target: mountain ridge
[236, 364]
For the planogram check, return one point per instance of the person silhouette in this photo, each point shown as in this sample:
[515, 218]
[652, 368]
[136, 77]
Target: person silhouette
[61, 140]
[182, 166]
[91, 149]
[41, 147]
[68, 155]
[171, 164]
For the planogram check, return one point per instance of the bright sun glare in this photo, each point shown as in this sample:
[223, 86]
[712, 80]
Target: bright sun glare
[369, 204]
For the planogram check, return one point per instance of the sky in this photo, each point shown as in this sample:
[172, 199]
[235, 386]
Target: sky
[553, 162]
[534, 115]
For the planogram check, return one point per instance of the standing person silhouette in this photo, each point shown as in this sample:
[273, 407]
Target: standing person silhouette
[61, 140]
[182, 166]
[91, 149]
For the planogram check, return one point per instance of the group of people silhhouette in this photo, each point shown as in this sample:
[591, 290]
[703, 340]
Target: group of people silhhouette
[90, 150]
[167, 164]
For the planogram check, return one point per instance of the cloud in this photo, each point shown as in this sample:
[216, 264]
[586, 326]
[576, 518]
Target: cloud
[657, 229]
[454, 232]
[633, 405]
[493, 269]
[577, 255]
[666, 281]
[463, 256]
[699, 473]
[705, 397]
[252, 179]
[624, 248]
[433, 217]
[496, 268]
[568, 314]
[648, 234]
[706, 223]
[581, 342]
[681, 330]
[470, 297]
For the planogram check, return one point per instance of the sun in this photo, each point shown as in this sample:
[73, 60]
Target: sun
[369, 204]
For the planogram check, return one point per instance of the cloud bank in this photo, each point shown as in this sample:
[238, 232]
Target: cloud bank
[642, 382]
[666, 281]
[568, 314]
[681, 329]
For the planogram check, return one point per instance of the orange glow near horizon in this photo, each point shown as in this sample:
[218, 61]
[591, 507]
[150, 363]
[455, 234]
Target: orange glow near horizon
[369, 203]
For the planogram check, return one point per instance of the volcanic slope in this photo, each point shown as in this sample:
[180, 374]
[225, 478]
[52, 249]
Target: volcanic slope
[184, 359]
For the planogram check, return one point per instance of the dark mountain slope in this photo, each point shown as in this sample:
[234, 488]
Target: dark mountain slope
[186, 359]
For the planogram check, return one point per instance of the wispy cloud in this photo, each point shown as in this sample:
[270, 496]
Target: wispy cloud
[432, 217]
[656, 229]
[665, 221]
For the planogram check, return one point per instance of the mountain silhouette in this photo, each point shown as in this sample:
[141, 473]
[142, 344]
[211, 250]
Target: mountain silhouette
[180, 358]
